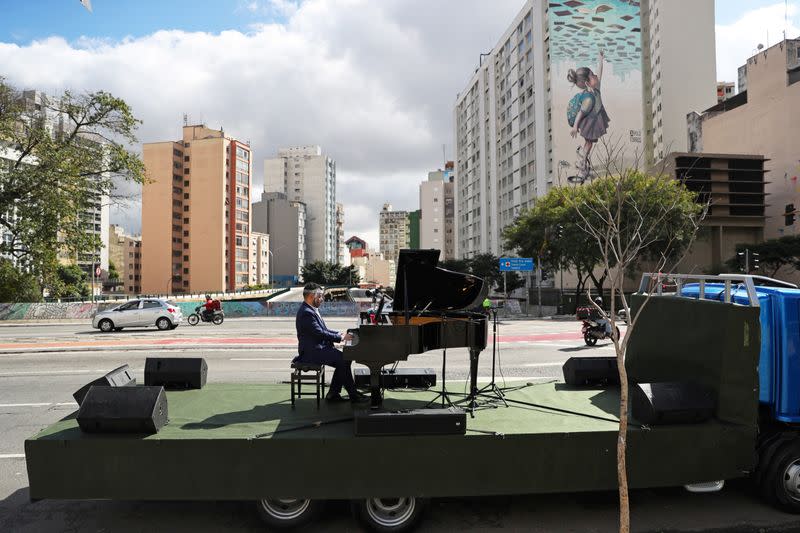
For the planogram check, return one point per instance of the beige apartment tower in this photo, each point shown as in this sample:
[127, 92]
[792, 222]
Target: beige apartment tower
[196, 214]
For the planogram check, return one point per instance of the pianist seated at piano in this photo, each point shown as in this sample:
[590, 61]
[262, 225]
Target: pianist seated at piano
[316, 346]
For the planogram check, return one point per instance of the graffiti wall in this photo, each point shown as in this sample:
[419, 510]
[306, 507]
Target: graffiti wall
[596, 84]
[236, 309]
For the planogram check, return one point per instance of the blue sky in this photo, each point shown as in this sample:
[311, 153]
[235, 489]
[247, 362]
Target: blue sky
[371, 81]
[26, 20]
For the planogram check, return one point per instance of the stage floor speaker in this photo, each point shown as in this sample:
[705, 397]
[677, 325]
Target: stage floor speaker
[123, 410]
[673, 402]
[400, 378]
[176, 372]
[119, 377]
[591, 371]
[441, 421]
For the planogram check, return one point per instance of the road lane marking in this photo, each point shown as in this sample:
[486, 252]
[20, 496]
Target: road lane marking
[12, 456]
[65, 372]
[537, 365]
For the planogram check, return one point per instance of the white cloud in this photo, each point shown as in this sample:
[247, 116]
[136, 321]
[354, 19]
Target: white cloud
[372, 82]
[737, 41]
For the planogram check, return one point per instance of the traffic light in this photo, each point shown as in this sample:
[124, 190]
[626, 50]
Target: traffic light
[754, 257]
[789, 214]
[742, 261]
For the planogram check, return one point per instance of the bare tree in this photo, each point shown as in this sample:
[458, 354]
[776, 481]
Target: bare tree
[629, 214]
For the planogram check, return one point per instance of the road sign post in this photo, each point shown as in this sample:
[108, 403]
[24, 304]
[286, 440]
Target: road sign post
[517, 264]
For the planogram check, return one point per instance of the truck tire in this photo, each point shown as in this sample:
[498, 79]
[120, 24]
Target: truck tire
[767, 447]
[288, 513]
[389, 515]
[780, 484]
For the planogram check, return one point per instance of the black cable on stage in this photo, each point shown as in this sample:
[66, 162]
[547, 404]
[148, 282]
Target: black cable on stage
[312, 425]
[569, 412]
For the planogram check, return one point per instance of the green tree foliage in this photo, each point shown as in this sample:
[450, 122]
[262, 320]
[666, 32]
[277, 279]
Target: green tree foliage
[70, 282]
[330, 274]
[113, 273]
[16, 285]
[773, 254]
[487, 267]
[556, 227]
[66, 156]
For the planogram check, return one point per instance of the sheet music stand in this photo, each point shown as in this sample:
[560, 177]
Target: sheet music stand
[491, 391]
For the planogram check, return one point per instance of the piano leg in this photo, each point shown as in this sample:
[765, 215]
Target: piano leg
[474, 353]
[375, 387]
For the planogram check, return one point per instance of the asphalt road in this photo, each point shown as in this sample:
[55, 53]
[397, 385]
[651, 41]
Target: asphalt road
[42, 364]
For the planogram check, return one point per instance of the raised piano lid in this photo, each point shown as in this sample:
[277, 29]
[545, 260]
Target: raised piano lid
[432, 288]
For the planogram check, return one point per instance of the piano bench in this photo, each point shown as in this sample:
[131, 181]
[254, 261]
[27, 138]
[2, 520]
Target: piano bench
[307, 373]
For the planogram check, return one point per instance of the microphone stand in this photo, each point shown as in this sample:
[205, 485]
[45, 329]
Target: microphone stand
[492, 391]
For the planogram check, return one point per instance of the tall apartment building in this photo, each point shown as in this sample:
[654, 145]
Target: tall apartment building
[512, 120]
[394, 232]
[125, 252]
[762, 119]
[436, 202]
[679, 70]
[305, 174]
[196, 213]
[259, 259]
[341, 249]
[285, 222]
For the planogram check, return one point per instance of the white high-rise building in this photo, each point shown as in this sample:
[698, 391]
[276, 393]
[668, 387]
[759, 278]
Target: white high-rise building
[518, 130]
[305, 174]
[679, 52]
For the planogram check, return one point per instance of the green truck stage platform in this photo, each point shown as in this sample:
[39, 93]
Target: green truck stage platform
[240, 442]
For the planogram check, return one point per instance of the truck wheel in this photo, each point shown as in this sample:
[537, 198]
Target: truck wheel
[286, 513]
[389, 515]
[781, 482]
[589, 340]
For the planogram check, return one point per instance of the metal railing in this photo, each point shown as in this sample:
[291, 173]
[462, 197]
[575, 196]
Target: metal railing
[659, 283]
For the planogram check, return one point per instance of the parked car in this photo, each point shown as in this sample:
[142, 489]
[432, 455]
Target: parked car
[161, 313]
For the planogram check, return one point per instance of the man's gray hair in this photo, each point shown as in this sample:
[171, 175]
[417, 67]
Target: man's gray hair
[311, 288]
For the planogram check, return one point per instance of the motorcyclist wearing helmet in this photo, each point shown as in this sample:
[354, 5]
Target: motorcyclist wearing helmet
[601, 320]
[208, 308]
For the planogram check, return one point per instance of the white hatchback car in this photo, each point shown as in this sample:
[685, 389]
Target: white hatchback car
[138, 313]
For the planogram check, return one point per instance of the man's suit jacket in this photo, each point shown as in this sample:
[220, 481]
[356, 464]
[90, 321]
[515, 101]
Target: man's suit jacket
[314, 338]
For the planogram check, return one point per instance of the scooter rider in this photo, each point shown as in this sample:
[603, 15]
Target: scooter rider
[208, 309]
[601, 320]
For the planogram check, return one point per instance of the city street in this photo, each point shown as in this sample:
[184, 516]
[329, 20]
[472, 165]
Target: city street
[41, 365]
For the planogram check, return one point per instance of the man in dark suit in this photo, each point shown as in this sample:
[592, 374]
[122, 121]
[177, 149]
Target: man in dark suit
[316, 346]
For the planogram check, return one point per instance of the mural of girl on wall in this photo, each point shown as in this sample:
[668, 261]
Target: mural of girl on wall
[586, 114]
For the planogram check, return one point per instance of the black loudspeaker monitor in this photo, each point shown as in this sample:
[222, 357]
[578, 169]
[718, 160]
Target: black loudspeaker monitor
[673, 402]
[591, 371]
[176, 372]
[119, 377]
[123, 410]
[440, 421]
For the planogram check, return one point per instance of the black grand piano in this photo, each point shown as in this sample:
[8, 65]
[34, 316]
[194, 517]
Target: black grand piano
[431, 311]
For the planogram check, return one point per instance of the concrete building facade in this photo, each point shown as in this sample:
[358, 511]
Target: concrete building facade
[725, 90]
[284, 220]
[394, 232]
[437, 210]
[733, 186]
[511, 121]
[196, 213]
[762, 119]
[259, 259]
[305, 174]
[678, 70]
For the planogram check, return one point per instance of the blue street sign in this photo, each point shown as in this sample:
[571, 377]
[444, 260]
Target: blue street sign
[522, 264]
